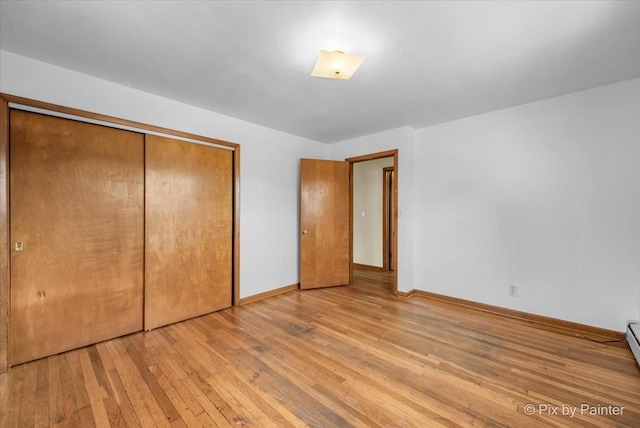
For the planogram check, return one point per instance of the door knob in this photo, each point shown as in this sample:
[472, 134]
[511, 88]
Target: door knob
[304, 232]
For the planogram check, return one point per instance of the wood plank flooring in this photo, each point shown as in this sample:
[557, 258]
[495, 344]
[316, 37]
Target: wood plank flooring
[337, 357]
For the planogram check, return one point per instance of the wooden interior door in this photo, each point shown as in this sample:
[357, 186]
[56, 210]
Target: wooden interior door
[189, 229]
[324, 223]
[77, 234]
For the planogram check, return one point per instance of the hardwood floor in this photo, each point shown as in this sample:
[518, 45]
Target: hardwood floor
[345, 356]
[370, 278]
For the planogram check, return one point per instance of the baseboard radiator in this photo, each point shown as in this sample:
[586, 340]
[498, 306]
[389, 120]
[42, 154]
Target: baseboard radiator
[633, 339]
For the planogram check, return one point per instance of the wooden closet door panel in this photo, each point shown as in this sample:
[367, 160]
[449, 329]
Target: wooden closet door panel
[188, 230]
[77, 206]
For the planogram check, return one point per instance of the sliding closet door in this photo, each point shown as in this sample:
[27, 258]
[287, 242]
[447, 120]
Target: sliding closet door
[77, 234]
[188, 230]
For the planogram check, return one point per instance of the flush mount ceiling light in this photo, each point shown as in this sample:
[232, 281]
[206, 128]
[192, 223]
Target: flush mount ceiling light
[336, 65]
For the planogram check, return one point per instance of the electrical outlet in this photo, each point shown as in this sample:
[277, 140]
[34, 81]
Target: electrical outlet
[513, 291]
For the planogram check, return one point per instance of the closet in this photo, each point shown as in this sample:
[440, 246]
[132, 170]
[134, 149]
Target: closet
[112, 231]
[188, 230]
[77, 218]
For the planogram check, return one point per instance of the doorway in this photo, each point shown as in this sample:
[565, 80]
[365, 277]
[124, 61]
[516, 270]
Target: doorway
[388, 213]
[373, 218]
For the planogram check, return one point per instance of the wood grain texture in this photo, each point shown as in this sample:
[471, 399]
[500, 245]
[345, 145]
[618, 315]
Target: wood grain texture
[324, 214]
[267, 294]
[4, 234]
[188, 230]
[335, 357]
[389, 221]
[368, 267]
[372, 156]
[111, 119]
[374, 278]
[236, 226]
[571, 327]
[394, 243]
[77, 206]
[155, 129]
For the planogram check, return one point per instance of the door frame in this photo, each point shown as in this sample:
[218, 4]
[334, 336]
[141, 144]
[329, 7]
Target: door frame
[388, 213]
[5, 245]
[394, 245]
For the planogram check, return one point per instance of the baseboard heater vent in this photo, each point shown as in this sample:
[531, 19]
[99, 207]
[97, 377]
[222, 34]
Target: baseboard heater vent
[633, 339]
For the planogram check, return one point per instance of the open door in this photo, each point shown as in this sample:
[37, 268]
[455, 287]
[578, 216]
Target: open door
[324, 223]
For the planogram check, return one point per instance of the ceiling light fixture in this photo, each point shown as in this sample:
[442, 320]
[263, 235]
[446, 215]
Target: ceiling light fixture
[336, 65]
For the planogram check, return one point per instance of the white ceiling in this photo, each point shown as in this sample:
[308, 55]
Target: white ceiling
[427, 62]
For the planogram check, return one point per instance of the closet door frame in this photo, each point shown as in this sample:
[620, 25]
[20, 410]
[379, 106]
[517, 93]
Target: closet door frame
[5, 245]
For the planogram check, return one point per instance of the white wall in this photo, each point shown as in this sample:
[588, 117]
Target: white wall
[544, 196]
[368, 198]
[403, 140]
[269, 158]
